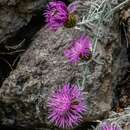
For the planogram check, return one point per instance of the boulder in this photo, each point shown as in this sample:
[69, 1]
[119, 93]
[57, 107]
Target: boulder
[43, 67]
[14, 14]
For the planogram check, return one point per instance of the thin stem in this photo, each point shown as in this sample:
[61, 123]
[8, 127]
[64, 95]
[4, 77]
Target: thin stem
[118, 7]
[120, 117]
[121, 5]
[85, 73]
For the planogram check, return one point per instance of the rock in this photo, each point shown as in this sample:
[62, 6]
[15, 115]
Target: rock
[121, 87]
[123, 118]
[14, 14]
[43, 67]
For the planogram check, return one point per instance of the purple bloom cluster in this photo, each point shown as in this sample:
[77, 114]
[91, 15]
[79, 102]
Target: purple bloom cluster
[109, 126]
[57, 14]
[66, 106]
[80, 48]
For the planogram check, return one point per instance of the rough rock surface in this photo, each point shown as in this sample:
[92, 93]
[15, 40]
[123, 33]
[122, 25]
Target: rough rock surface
[122, 90]
[43, 67]
[15, 14]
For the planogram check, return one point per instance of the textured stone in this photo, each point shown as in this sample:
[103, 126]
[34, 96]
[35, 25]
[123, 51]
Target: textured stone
[43, 68]
[14, 14]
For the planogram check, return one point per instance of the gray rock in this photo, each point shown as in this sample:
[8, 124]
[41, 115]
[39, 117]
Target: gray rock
[43, 67]
[14, 14]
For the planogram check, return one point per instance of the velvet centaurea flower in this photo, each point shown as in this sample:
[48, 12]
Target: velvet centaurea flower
[58, 14]
[109, 126]
[80, 49]
[66, 106]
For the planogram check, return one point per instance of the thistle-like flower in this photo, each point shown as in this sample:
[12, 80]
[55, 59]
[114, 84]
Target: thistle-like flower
[109, 126]
[66, 106]
[80, 49]
[57, 14]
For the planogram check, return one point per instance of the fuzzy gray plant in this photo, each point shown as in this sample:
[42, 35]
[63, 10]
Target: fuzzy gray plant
[98, 12]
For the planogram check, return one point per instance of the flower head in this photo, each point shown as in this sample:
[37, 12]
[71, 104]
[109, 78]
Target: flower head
[109, 126]
[80, 48]
[57, 14]
[66, 106]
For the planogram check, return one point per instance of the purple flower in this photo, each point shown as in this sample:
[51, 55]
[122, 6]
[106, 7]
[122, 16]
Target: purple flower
[80, 48]
[109, 126]
[57, 14]
[66, 106]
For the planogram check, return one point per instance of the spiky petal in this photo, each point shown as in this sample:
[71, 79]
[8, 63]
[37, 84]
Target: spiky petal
[73, 7]
[56, 14]
[109, 126]
[80, 48]
[66, 106]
